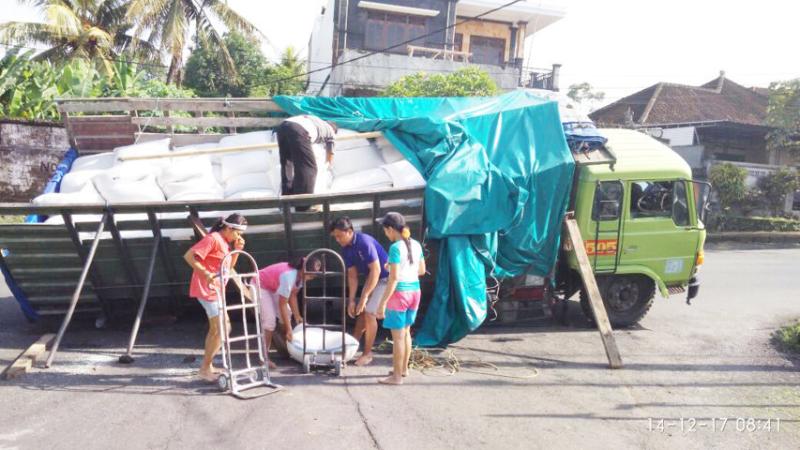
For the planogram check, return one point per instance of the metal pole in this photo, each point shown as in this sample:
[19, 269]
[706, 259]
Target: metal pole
[78, 289]
[127, 358]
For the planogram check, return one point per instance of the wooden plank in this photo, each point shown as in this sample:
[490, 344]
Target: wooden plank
[206, 104]
[207, 122]
[94, 105]
[595, 300]
[25, 360]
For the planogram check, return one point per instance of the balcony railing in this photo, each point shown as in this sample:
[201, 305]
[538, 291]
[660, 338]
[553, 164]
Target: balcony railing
[537, 78]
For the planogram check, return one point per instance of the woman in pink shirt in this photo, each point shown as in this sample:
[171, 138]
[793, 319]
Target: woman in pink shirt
[205, 257]
[279, 286]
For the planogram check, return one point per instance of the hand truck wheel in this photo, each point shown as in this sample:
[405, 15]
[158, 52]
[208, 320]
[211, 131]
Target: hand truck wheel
[307, 364]
[223, 383]
[338, 367]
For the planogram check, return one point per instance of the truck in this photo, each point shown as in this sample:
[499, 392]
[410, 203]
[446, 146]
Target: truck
[639, 211]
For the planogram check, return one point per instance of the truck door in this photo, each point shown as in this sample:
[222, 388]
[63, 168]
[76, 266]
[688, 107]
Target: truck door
[657, 229]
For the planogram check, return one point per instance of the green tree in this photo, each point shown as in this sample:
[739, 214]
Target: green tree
[206, 74]
[466, 82]
[585, 94]
[285, 78]
[87, 29]
[170, 23]
[728, 181]
[776, 186]
[783, 115]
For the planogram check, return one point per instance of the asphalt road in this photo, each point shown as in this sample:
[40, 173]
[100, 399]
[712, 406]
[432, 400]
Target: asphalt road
[710, 364]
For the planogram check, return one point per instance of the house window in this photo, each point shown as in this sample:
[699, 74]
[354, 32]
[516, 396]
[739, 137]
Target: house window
[387, 29]
[487, 50]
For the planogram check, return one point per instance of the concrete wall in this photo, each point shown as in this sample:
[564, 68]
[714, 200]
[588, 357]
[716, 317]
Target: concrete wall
[320, 50]
[379, 70]
[28, 156]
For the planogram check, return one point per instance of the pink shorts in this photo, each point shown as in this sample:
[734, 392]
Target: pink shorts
[404, 300]
[270, 302]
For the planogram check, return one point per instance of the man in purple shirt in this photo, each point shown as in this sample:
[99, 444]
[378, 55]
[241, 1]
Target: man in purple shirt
[362, 255]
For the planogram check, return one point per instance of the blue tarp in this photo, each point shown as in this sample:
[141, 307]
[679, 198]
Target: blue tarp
[498, 174]
[54, 183]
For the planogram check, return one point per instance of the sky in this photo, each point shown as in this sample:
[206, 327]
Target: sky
[618, 46]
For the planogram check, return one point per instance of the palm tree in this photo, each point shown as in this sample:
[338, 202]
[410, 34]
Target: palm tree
[168, 25]
[88, 29]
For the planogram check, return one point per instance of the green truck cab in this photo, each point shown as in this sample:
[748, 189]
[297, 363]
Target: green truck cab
[641, 219]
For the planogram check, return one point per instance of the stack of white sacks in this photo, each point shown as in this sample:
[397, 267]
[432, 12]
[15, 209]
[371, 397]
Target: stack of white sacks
[359, 164]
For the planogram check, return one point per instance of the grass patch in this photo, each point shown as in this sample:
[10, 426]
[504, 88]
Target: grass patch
[788, 338]
[12, 219]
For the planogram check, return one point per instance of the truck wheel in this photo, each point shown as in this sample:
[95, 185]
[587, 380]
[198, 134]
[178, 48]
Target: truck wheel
[627, 298]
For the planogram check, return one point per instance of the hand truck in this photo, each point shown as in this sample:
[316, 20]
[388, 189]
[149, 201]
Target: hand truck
[324, 356]
[238, 380]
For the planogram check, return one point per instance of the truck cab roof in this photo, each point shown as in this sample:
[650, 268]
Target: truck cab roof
[638, 156]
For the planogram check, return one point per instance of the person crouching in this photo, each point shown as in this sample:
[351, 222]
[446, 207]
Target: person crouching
[280, 284]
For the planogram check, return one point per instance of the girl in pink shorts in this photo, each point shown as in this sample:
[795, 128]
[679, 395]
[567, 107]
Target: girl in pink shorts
[280, 284]
[398, 307]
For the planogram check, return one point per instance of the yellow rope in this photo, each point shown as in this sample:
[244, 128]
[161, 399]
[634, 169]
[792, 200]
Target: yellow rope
[423, 361]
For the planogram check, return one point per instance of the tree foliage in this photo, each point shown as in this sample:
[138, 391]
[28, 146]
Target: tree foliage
[256, 76]
[729, 183]
[584, 93]
[466, 82]
[783, 114]
[29, 88]
[206, 73]
[169, 24]
[95, 30]
[776, 186]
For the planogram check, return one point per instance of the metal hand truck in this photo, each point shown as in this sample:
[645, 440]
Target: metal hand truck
[323, 356]
[252, 375]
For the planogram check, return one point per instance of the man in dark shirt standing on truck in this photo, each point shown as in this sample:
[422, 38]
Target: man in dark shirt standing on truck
[364, 256]
[296, 135]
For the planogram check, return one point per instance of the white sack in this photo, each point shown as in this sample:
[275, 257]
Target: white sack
[254, 194]
[75, 181]
[346, 162]
[99, 161]
[122, 187]
[152, 148]
[215, 158]
[87, 195]
[182, 169]
[191, 196]
[389, 152]
[404, 174]
[248, 182]
[376, 178]
[193, 187]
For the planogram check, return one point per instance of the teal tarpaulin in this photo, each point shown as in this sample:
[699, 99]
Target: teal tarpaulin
[498, 174]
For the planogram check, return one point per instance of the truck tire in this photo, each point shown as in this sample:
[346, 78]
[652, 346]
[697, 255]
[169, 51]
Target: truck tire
[627, 298]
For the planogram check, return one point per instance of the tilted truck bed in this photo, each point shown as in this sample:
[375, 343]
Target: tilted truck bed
[44, 261]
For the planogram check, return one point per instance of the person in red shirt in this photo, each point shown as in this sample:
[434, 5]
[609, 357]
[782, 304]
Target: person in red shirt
[205, 258]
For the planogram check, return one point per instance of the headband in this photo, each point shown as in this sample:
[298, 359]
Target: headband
[235, 226]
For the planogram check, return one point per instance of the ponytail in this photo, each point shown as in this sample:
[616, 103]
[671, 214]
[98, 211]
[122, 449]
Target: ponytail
[406, 235]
